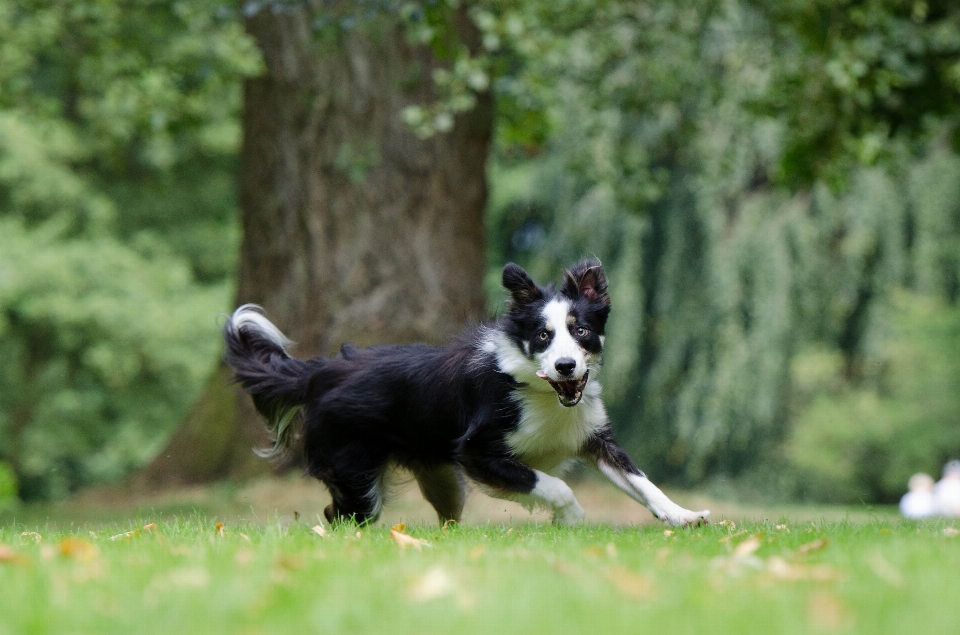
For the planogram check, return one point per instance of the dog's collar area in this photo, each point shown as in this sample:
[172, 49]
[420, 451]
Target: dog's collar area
[569, 391]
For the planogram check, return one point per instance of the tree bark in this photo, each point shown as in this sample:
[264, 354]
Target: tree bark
[354, 229]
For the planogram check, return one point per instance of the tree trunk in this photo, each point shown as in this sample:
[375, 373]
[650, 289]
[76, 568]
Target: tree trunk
[354, 229]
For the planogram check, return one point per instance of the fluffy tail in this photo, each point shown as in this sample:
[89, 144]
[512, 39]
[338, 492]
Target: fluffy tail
[277, 382]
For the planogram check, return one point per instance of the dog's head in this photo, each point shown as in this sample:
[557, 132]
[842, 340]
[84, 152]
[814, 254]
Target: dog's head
[558, 333]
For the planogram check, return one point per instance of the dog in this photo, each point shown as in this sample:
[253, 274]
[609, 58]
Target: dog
[511, 405]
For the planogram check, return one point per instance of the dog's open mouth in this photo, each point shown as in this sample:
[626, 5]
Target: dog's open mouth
[569, 391]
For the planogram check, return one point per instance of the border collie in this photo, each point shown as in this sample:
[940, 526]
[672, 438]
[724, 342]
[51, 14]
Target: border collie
[511, 405]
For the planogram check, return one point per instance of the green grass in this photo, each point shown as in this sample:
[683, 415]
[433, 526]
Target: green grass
[879, 576]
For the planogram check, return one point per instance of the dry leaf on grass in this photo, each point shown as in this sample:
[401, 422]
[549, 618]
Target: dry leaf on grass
[827, 612]
[815, 545]
[747, 547]
[8, 555]
[783, 570]
[631, 584]
[732, 536]
[136, 532]
[79, 549]
[667, 533]
[398, 535]
[37, 538]
[435, 583]
[951, 532]
[319, 530]
[727, 523]
[882, 568]
[220, 529]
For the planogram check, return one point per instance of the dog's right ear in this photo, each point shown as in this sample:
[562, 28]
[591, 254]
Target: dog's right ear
[521, 287]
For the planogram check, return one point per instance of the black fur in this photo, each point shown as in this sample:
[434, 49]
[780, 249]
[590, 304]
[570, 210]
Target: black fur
[437, 411]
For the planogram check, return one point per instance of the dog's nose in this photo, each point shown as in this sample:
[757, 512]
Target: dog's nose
[565, 365]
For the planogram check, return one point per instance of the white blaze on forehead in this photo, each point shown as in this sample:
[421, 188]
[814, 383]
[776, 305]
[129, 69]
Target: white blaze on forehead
[556, 314]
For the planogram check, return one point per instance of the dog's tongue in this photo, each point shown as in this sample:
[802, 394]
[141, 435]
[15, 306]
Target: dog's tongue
[568, 391]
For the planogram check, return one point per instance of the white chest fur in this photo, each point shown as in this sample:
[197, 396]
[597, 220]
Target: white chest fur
[549, 433]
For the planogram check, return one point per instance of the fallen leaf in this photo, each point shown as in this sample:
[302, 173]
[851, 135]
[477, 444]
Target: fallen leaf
[951, 532]
[816, 545]
[289, 562]
[245, 536]
[244, 556]
[191, 577]
[782, 528]
[319, 530]
[37, 538]
[220, 529]
[882, 568]
[727, 523]
[403, 540]
[8, 555]
[78, 548]
[133, 534]
[746, 547]
[667, 533]
[435, 583]
[732, 536]
[827, 612]
[662, 554]
[783, 570]
[631, 584]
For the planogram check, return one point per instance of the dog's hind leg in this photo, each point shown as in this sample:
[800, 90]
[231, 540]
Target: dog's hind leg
[355, 480]
[444, 487]
[612, 461]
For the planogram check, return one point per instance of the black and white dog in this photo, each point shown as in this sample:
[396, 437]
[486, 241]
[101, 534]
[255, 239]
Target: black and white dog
[510, 405]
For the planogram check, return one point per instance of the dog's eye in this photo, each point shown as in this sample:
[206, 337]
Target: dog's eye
[581, 332]
[543, 335]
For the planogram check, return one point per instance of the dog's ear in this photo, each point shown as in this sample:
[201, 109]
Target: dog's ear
[520, 285]
[586, 280]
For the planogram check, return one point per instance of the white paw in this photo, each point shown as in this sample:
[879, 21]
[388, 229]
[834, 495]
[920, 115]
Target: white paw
[686, 518]
[571, 514]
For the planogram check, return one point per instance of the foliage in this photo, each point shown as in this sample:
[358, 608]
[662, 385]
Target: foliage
[665, 157]
[8, 487]
[773, 188]
[195, 575]
[98, 355]
[865, 441]
[850, 77]
[118, 138]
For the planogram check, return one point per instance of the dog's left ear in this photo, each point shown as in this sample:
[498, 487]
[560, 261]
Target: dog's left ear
[586, 280]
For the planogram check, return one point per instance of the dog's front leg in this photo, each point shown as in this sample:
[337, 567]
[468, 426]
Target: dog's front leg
[612, 461]
[552, 493]
[505, 477]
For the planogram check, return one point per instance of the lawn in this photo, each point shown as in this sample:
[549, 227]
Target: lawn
[192, 572]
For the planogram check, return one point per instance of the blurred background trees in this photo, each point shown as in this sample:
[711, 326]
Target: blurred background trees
[774, 189]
